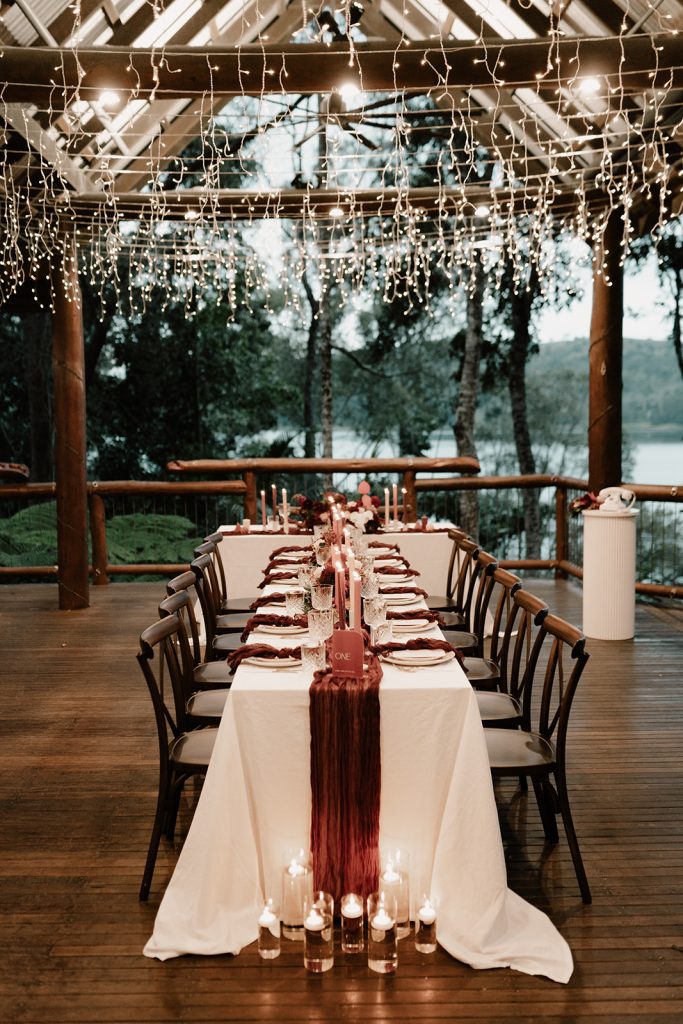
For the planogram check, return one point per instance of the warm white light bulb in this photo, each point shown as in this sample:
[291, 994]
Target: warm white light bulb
[336, 212]
[109, 99]
[482, 211]
[588, 86]
[350, 92]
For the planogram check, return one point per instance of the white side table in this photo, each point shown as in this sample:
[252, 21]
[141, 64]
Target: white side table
[609, 574]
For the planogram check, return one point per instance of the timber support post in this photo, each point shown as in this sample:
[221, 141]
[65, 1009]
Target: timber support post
[68, 367]
[605, 359]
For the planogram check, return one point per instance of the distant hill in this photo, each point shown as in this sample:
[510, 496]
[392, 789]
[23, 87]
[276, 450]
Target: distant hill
[653, 385]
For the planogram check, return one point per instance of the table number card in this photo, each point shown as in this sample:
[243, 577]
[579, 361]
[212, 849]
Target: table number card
[346, 653]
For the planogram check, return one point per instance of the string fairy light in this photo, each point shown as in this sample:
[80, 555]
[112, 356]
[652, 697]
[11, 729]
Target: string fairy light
[385, 187]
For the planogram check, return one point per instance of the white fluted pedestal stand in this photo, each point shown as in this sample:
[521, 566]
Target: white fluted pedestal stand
[609, 574]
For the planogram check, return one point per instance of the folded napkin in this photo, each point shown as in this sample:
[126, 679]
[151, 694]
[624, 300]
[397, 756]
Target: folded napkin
[345, 780]
[396, 570]
[418, 591]
[275, 577]
[381, 544]
[272, 619]
[261, 651]
[289, 547]
[393, 556]
[267, 599]
[420, 643]
[416, 613]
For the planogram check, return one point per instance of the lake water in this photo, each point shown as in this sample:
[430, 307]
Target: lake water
[656, 462]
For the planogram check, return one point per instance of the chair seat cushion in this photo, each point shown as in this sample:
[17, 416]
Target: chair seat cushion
[514, 751]
[207, 703]
[482, 672]
[497, 707]
[235, 605]
[227, 642]
[193, 749]
[212, 674]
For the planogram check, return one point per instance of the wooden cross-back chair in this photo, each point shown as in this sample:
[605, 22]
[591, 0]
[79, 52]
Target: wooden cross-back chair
[219, 639]
[183, 753]
[476, 591]
[224, 622]
[206, 684]
[490, 672]
[557, 657]
[225, 605]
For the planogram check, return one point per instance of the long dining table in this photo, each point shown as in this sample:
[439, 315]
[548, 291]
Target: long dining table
[436, 802]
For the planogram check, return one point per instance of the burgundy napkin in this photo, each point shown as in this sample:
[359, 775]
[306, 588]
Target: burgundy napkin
[267, 599]
[418, 591]
[416, 613]
[266, 619]
[393, 557]
[395, 570]
[276, 577]
[261, 651]
[381, 544]
[345, 780]
[421, 643]
[289, 547]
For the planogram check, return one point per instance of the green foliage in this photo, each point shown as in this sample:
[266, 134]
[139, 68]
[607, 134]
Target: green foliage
[29, 537]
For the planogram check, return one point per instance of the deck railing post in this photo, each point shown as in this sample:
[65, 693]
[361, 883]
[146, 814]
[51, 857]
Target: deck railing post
[250, 504]
[98, 538]
[561, 530]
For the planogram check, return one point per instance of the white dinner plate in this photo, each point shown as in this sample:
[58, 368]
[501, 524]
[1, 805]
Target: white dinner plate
[389, 562]
[394, 599]
[260, 662]
[418, 659]
[391, 579]
[411, 626]
[282, 630]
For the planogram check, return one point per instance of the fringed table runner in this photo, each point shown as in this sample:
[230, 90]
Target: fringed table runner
[345, 780]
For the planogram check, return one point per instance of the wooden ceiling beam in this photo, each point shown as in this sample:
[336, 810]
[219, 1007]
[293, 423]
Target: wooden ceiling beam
[32, 74]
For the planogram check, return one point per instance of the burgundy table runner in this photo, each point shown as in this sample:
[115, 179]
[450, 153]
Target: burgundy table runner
[345, 780]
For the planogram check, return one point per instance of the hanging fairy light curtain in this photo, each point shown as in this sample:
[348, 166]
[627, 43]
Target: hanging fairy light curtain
[393, 162]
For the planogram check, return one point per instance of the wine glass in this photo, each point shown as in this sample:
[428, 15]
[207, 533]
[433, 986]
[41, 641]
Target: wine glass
[320, 624]
[321, 597]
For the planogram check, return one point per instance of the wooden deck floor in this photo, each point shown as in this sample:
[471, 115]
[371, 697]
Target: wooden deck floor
[79, 773]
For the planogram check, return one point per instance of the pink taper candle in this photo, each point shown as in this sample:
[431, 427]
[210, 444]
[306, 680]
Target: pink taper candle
[340, 593]
[274, 494]
[263, 508]
[386, 506]
[354, 608]
[395, 497]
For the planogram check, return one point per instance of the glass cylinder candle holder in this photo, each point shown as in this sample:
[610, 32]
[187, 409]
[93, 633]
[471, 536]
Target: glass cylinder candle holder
[318, 934]
[394, 880]
[297, 884]
[352, 923]
[382, 933]
[425, 925]
[269, 931]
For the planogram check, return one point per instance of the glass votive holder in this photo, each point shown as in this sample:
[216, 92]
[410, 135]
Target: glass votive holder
[352, 923]
[313, 657]
[374, 610]
[382, 933]
[273, 524]
[318, 934]
[269, 931]
[381, 634]
[294, 602]
[297, 884]
[425, 925]
[394, 880]
[322, 597]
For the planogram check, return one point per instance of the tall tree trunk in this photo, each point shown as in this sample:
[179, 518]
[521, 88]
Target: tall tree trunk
[37, 338]
[519, 352]
[309, 380]
[676, 333]
[467, 395]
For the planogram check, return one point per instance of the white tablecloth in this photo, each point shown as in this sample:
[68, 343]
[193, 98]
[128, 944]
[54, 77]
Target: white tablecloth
[436, 801]
[245, 556]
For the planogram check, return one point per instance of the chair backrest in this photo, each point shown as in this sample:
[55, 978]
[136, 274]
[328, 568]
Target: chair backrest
[181, 603]
[216, 578]
[158, 656]
[217, 539]
[520, 648]
[503, 585]
[202, 568]
[481, 593]
[565, 663]
[457, 536]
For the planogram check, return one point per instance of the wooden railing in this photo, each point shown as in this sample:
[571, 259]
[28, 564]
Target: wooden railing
[562, 562]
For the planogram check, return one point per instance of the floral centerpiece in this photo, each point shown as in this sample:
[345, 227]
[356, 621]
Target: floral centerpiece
[585, 503]
[363, 513]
